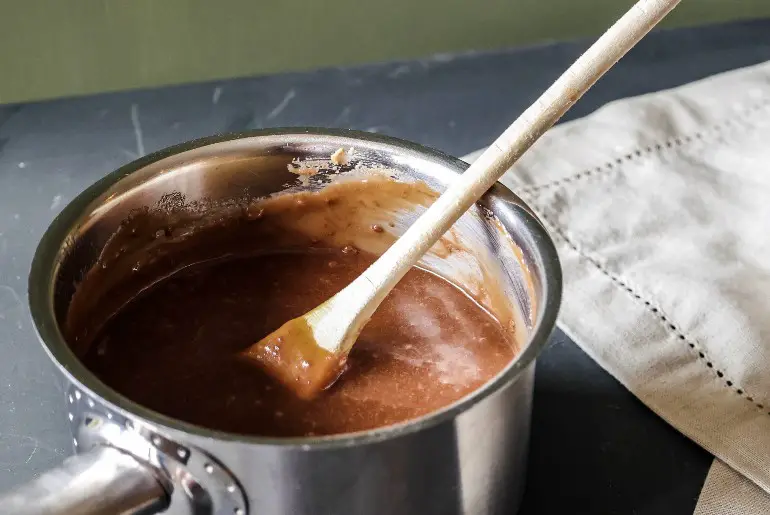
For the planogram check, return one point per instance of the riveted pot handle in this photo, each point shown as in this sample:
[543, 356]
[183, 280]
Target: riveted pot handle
[102, 481]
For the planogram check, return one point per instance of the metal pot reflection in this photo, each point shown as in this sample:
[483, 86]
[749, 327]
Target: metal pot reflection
[469, 458]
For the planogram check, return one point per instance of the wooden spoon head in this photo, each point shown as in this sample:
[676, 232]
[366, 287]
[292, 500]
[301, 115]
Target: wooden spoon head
[291, 355]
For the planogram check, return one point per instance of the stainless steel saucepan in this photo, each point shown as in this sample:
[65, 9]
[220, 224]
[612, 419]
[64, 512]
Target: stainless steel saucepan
[469, 458]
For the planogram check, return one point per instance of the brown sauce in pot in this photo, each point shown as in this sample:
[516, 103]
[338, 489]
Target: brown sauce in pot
[174, 348]
[179, 292]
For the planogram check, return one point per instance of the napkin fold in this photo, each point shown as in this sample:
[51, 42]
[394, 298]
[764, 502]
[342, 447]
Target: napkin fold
[727, 492]
[659, 206]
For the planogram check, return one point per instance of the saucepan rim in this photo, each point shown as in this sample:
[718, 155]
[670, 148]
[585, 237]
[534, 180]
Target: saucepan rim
[44, 270]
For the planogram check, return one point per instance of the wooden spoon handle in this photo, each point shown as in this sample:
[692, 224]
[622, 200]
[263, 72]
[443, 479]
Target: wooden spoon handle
[384, 273]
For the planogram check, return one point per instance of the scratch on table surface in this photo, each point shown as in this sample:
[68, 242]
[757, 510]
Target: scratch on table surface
[399, 71]
[34, 450]
[282, 105]
[56, 202]
[343, 116]
[16, 298]
[11, 441]
[443, 57]
[215, 96]
[137, 129]
[131, 155]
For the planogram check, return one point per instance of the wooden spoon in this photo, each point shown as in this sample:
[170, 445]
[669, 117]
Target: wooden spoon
[308, 353]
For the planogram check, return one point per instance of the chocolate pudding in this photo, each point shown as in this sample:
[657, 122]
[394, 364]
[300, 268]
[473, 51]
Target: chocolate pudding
[165, 314]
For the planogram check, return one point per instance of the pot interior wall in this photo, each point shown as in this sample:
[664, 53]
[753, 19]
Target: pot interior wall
[224, 182]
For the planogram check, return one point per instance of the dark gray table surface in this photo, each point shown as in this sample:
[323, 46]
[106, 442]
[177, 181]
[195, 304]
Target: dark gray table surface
[595, 448]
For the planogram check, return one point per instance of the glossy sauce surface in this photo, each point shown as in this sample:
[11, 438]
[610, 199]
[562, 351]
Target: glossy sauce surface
[174, 348]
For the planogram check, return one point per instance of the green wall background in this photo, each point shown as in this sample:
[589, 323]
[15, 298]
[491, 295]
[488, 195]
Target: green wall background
[51, 48]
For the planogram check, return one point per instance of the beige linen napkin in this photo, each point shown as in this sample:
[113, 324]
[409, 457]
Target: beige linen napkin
[660, 209]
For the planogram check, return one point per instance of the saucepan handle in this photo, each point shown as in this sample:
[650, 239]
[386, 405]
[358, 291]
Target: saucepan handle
[102, 481]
